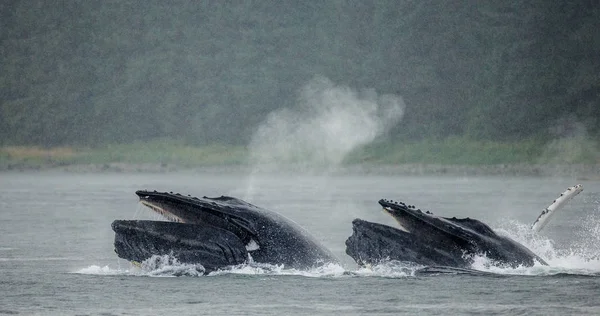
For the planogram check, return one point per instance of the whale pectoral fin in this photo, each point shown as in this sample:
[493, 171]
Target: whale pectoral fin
[547, 213]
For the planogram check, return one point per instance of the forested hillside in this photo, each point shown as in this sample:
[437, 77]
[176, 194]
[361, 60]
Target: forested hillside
[208, 72]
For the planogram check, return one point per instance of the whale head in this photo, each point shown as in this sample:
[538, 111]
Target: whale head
[427, 239]
[215, 232]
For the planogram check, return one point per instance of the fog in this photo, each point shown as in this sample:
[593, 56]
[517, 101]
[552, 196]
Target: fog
[274, 74]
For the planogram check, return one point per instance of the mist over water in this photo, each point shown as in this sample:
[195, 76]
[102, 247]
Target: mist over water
[327, 122]
[588, 237]
[572, 143]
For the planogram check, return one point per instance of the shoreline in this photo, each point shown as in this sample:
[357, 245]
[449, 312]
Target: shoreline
[579, 171]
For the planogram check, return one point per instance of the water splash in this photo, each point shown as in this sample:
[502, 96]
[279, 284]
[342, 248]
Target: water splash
[581, 258]
[154, 266]
[161, 266]
[164, 266]
[326, 270]
[390, 269]
[588, 237]
[103, 270]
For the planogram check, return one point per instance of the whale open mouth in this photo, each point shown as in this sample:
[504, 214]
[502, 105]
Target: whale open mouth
[138, 240]
[173, 211]
[161, 211]
[409, 218]
[401, 224]
[194, 229]
[216, 233]
[427, 239]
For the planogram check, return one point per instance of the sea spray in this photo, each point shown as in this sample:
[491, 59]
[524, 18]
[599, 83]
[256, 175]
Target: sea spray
[587, 243]
[327, 122]
[166, 266]
[572, 144]
[580, 257]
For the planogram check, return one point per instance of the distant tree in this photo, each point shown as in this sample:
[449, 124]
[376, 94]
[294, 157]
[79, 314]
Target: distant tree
[96, 72]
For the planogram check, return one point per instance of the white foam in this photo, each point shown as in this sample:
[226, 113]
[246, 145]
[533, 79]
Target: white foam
[583, 256]
[390, 269]
[561, 265]
[105, 270]
[161, 266]
[326, 270]
[252, 245]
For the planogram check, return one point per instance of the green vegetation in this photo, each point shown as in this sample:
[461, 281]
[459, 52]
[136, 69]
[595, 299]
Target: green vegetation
[450, 151]
[155, 152]
[483, 82]
[461, 151]
[164, 152]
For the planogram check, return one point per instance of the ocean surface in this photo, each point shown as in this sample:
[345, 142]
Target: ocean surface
[57, 258]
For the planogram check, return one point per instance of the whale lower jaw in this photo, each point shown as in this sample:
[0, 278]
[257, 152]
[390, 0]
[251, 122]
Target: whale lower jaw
[214, 248]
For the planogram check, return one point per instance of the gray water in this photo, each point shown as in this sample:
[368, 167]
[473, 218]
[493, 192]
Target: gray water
[56, 254]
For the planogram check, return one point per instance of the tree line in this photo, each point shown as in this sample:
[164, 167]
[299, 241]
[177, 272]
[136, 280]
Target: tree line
[205, 72]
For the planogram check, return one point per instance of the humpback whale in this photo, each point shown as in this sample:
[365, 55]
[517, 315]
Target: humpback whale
[430, 240]
[216, 233]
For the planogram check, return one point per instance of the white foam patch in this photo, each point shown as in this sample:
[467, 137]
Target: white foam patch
[159, 266]
[252, 245]
[168, 266]
[582, 258]
[330, 270]
[326, 270]
[164, 266]
[562, 265]
[390, 269]
[105, 270]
